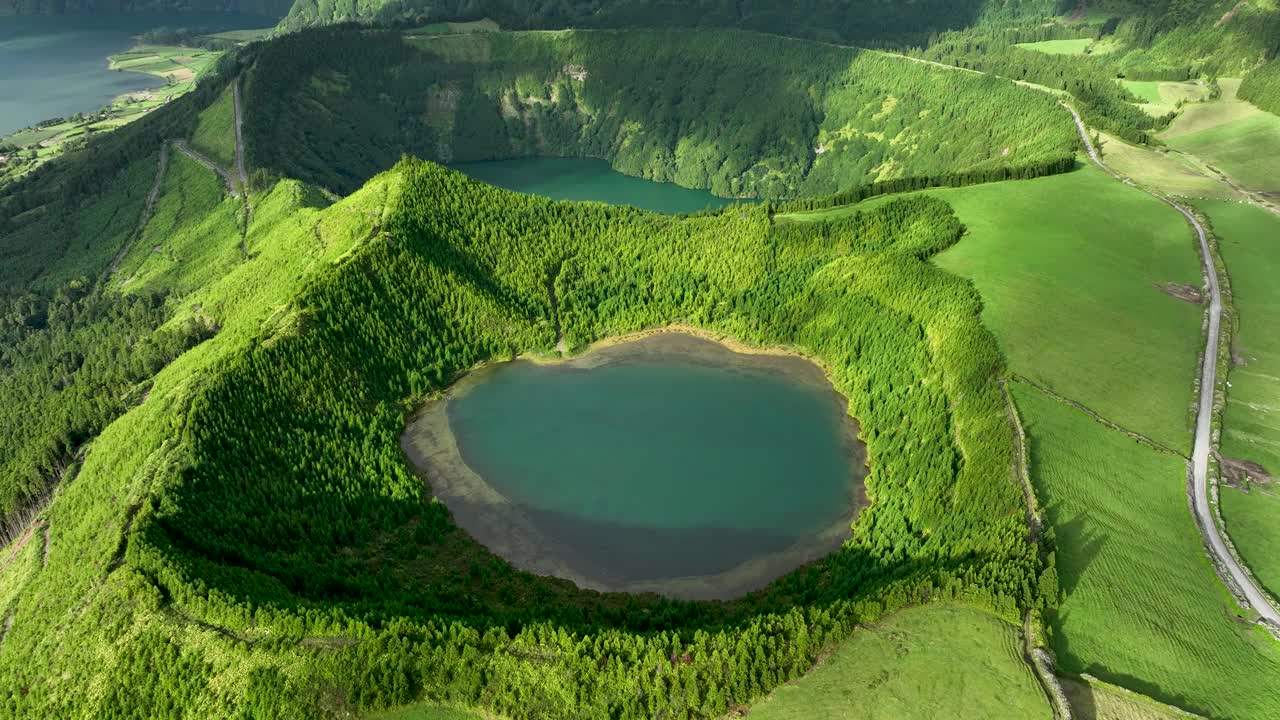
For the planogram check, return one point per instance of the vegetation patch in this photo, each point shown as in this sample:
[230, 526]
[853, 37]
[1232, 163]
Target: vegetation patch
[937, 661]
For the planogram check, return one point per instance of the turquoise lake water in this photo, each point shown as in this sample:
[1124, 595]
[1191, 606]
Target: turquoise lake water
[57, 66]
[671, 457]
[589, 179]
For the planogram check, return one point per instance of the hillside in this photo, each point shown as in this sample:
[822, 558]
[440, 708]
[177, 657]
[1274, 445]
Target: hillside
[269, 8]
[828, 20]
[333, 107]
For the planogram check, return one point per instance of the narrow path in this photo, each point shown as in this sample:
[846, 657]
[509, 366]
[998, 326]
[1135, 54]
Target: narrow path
[161, 165]
[222, 172]
[1034, 522]
[1224, 558]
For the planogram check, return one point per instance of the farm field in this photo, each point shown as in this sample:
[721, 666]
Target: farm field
[1171, 172]
[1075, 296]
[1249, 239]
[935, 661]
[180, 67]
[1142, 605]
[1059, 47]
[1233, 136]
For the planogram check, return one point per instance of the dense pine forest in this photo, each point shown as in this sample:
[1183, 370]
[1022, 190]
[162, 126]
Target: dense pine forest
[863, 21]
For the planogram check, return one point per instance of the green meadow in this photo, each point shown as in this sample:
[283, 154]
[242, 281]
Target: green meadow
[1070, 269]
[1142, 606]
[931, 662]
[1249, 240]
[1059, 47]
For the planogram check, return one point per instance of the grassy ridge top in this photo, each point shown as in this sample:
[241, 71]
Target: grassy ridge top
[742, 114]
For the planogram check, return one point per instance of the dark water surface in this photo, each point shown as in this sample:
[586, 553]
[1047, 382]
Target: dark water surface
[57, 66]
[589, 179]
[667, 457]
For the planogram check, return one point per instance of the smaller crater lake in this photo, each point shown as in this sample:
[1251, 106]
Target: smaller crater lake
[562, 178]
[667, 464]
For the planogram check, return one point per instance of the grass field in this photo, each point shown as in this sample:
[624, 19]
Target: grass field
[1249, 239]
[1171, 172]
[930, 662]
[215, 135]
[1248, 150]
[1059, 47]
[1160, 97]
[244, 36]
[1068, 268]
[1143, 608]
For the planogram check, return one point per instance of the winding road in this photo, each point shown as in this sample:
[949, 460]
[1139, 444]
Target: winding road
[1224, 558]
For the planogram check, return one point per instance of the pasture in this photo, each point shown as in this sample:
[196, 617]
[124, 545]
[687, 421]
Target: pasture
[929, 662]
[1059, 47]
[1170, 171]
[1071, 270]
[1142, 606]
[1245, 149]
[1249, 241]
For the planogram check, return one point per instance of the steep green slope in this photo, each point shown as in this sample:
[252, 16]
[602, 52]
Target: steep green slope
[1262, 87]
[935, 662]
[268, 8]
[741, 114]
[831, 20]
[248, 539]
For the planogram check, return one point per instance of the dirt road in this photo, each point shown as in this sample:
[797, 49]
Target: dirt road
[1203, 446]
[222, 172]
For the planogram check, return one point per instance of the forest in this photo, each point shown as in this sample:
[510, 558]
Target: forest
[689, 114]
[861, 21]
[296, 511]
[1262, 87]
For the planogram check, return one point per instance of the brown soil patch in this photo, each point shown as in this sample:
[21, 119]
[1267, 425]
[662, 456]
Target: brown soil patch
[1186, 293]
[1238, 358]
[182, 75]
[1240, 473]
[1078, 14]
